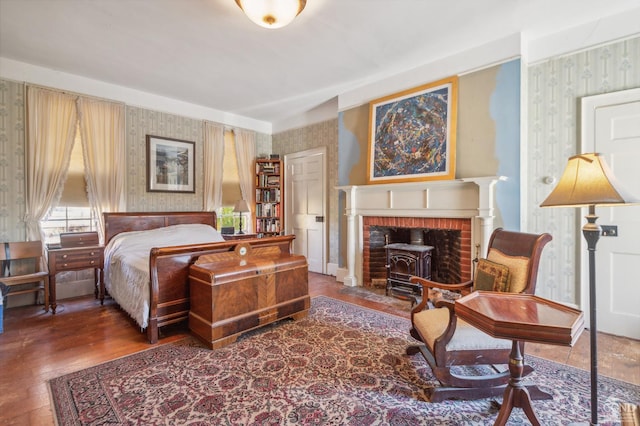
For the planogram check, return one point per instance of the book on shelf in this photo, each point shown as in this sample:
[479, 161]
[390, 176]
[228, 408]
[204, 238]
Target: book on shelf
[268, 225]
[268, 195]
[267, 168]
[267, 181]
[268, 212]
[273, 181]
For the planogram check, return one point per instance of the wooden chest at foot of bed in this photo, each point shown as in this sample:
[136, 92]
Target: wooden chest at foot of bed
[240, 290]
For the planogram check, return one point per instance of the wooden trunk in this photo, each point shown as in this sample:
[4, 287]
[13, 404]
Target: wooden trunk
[237, 291]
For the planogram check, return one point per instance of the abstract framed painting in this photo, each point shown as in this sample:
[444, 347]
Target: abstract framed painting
[170, 165]
[412, 134]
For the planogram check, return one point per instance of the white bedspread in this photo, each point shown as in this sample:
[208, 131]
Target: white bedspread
[126, 262]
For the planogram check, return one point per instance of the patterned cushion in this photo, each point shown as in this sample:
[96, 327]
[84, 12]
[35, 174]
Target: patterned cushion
[430, 324]
[491, 276]
[517, 265]
[468, 337]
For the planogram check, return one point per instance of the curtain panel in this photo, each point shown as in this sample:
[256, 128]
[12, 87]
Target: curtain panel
[213, 165]
[51, 128]
[102, 129]
[246, 153]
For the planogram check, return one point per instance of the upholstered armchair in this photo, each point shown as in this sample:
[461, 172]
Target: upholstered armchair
[466, 361]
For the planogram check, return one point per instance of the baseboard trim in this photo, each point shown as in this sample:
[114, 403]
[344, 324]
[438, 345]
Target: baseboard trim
[332, 269]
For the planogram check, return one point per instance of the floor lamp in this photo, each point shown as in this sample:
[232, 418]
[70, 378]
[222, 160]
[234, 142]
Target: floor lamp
[588, 182]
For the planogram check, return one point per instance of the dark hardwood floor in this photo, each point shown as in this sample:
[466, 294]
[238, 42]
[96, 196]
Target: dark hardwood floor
[37, 346]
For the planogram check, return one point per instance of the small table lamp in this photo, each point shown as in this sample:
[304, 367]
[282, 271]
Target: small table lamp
[241, 207]
[587, 181]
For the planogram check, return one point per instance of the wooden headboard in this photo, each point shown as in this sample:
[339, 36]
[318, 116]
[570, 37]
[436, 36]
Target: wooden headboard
[115, 223]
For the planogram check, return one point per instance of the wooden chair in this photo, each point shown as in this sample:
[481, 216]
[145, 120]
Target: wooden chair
[451, 346]
[23, 265]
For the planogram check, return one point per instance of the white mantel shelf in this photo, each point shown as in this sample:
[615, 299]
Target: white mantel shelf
[460, 198]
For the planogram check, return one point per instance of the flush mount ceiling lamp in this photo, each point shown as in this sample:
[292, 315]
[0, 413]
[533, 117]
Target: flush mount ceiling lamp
[272, 13]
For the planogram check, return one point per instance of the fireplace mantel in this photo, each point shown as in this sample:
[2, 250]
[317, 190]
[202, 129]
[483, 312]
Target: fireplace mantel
[461, 198]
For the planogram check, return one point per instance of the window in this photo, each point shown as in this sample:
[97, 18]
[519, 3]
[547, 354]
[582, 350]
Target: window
[67, 219]
[73, 213]
[230, 186]
[226, 217]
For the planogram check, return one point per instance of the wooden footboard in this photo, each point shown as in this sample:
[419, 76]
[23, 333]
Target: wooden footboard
[169, 272]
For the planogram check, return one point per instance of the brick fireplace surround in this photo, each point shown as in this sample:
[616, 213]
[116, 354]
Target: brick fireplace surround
[465, 205]
[462, 225]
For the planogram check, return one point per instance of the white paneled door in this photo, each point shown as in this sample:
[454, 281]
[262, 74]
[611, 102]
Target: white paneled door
[611, 127]
[305, 208]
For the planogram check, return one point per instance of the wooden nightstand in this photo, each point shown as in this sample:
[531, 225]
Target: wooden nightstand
[76, 252]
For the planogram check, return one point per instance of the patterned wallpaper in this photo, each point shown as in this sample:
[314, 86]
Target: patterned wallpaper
[263, 144]
[554, 90]
[315, 136]
[555, 87]
[12, 161]
[143, 122]
[139, 123]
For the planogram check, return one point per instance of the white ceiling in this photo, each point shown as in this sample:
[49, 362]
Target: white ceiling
[207, 53]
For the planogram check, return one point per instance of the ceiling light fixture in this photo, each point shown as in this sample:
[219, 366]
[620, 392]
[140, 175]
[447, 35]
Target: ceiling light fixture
[272, 13]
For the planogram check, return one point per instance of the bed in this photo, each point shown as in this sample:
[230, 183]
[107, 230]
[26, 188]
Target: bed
[147, 262]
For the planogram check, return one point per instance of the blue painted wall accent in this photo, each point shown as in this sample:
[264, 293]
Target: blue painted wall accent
[505, 111]
[348, 157]
[348, 151]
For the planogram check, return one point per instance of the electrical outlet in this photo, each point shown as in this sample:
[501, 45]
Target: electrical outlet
[609, 230]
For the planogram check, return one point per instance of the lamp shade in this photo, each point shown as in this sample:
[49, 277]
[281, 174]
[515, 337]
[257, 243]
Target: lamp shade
[587, 181]
[272, 13]
[241, 206]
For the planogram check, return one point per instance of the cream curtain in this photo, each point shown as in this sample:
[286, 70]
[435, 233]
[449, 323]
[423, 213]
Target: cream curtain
[246, 154]
[213, 161]
[51, 128]
[102, 129]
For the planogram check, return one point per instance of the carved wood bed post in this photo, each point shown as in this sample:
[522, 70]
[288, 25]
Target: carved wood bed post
[152, 327]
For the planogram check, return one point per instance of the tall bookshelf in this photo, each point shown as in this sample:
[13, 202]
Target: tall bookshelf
[269, 197]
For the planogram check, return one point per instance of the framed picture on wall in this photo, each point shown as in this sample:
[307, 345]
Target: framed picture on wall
[412, 134]
[170, 165]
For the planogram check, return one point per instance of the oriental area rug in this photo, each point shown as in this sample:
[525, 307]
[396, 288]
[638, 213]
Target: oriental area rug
[342, 365]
